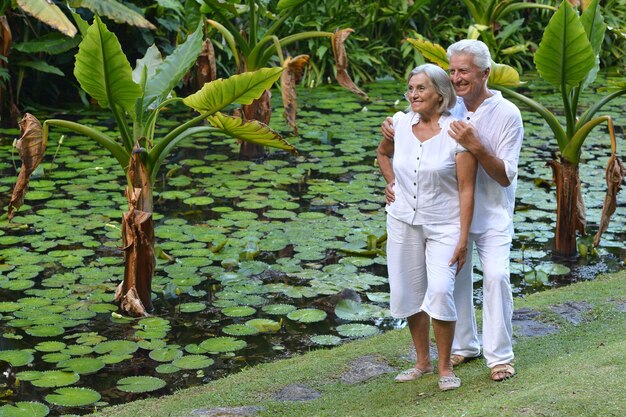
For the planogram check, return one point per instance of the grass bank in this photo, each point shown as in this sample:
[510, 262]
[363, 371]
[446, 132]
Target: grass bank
[579, 371]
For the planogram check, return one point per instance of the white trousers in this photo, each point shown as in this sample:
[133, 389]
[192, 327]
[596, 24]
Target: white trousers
[494, 249]
[420, 278]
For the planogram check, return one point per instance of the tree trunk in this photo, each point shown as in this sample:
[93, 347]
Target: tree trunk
[570, 210]
[135, 292]
[261, 110]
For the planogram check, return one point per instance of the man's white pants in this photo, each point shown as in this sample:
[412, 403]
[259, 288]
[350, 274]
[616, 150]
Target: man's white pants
[494, 249]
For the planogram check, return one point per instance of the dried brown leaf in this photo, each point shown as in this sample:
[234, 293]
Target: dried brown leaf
[614, 176]
[5, 38]
[294, 67]
[31, 147]
[206, 70]
[341, 60]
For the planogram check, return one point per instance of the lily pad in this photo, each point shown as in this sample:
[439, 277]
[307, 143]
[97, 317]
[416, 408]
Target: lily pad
[24, 409]
[278, 309]
[240, 330]
[238, 311]
[73, 397]
[140, 384]
[192, 307]
[222, 344]
[264, 325]
[352, 310]
[193, 362]
[307, 315]
[55, 379]
[16, 357]
[326, 340]
[82, 366]
[357, 330]
[166, 354]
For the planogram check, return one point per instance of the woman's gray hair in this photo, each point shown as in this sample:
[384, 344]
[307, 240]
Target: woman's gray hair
[441, 81]
[477, 49]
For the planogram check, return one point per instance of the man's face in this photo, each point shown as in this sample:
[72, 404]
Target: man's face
[467, 78]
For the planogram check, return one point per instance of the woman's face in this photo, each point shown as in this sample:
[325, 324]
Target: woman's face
[422, 95]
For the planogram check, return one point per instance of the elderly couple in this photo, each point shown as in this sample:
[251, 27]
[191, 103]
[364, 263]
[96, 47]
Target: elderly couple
[450, 165]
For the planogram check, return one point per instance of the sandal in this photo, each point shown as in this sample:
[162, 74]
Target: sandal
[505, 369]
[449, 382]
[457, 360]
[411, 374]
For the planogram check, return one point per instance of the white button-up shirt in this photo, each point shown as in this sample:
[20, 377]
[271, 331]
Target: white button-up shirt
[499, 125]
[426, 188]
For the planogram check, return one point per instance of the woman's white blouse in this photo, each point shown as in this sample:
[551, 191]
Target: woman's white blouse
[426, 188]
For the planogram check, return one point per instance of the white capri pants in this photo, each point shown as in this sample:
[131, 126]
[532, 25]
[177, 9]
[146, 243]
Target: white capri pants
[420, 278]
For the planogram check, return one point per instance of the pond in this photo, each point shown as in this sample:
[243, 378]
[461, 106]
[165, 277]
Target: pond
[258, 260]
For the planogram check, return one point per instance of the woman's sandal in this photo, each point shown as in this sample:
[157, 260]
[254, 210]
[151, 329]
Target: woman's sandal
[456, 360]
[502, 372]
[411, 374]
[449, 382]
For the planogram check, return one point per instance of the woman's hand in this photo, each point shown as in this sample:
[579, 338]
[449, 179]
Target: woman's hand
[459, 257]
[390, 195]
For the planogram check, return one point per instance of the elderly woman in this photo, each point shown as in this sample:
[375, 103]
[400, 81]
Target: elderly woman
[430, 201]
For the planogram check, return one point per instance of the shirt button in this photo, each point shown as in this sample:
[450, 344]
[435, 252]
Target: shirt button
[414, 183]
[413, 209]
[414, 170]
[418, 158]
[467, 118]
[414, 197]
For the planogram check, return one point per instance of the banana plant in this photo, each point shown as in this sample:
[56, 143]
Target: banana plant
[254, 42]
[136, 99]
[568, 59]
[489, 25]
[25, 48]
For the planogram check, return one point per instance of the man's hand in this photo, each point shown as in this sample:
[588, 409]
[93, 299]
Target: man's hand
[387, 128]
[390, 195]
[465, 134]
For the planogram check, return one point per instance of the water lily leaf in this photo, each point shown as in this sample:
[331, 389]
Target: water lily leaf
[240, 330]
[278, 309]
[24, 409]
[222, 344]
[192, 307]
[55, 379]
[9, 306]
[378, 297]
[16, 357]
[81, 366]
[264, 325]
[27, 375]
[119, 347]
[55, 357]
[326, 340]
[51, 346]
[193, 362]
[45, 331]
[552, 268]
[167, 368]
[166, 354]
[307, 315]
[73, 397]
[140, 384]
[357, 330]
[352, 310]
[238, 311]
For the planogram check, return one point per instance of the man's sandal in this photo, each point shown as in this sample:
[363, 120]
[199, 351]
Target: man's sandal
[457, 360]
[502, 372]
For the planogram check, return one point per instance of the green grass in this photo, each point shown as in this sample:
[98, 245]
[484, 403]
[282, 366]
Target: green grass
[578, 372]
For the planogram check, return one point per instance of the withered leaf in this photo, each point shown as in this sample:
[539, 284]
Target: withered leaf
[31, 147]
[294, 67]
[614, 176]
[341, 60]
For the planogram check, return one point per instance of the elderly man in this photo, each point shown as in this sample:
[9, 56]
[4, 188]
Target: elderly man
[490, 127]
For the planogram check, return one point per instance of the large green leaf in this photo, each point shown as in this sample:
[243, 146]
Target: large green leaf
[50, 14]
[251, 131]
[172, 70]
[565, 55]
[52, 44]
[503, 75]
[41, 66]
[103, 70]
[431, 51]
[288, 4]
[116, 11]
[240, 88]
[594, 25]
